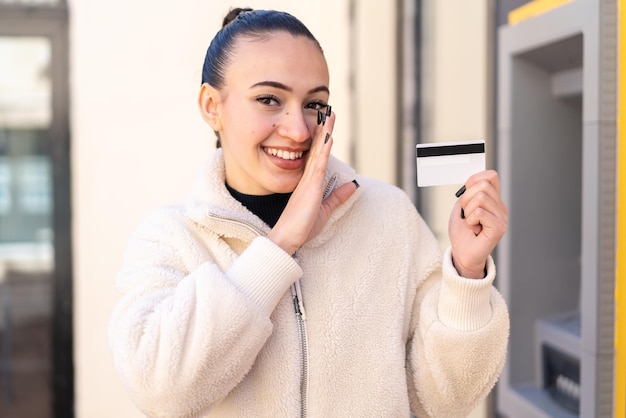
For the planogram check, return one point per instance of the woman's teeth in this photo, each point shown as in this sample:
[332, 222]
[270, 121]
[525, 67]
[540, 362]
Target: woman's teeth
[285, 155]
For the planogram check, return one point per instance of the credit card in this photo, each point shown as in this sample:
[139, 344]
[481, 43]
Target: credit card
[441, 163]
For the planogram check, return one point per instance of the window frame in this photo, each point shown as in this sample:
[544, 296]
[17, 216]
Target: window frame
[52, 21]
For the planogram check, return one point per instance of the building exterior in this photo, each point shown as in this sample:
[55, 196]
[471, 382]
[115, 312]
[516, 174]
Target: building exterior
[99, 124]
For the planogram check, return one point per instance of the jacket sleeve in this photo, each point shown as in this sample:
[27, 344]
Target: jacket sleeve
[458, 342]
[185, 331]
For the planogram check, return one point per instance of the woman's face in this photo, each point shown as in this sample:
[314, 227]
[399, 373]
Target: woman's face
[267, 111]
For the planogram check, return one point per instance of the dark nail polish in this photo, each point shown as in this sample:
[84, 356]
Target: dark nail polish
[319, 117]
[462, 214]
[328, 109]
[356, 183]
[460, 191]
[323, 117]
[327, 137]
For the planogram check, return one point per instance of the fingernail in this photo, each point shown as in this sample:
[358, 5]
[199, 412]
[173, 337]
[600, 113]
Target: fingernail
[319, 117]
[460, 191]
[327, 137]
[356, 183]
[462, 214]
[328, 109]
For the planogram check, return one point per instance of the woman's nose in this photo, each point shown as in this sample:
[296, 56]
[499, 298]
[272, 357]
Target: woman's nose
[294, 126]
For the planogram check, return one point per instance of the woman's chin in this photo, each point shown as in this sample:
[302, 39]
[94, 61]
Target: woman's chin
[286, 185]
[284, 189]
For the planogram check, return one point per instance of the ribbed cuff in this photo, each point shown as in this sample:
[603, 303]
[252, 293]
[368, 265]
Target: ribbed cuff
[464, 304]
[264, 272]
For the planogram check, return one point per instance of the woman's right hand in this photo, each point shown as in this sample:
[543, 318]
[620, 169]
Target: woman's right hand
[306, 213]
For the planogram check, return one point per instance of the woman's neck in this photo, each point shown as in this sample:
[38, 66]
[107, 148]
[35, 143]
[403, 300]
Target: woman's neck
[267, 207]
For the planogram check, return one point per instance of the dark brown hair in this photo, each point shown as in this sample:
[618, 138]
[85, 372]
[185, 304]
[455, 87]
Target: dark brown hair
[246, 22]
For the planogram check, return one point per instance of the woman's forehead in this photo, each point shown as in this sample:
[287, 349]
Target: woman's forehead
[278, 56]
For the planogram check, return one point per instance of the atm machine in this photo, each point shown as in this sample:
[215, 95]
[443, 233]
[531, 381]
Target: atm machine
[557, 141]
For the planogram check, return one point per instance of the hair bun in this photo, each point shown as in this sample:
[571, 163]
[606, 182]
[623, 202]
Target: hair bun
[234, 13]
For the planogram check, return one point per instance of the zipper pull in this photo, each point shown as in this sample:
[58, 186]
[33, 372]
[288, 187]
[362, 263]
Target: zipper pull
[298, 306]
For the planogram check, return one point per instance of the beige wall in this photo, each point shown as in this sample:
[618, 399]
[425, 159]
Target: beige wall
[374, 99]
[455, 87]
[455, 97]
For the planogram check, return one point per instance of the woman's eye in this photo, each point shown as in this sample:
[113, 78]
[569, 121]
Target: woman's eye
[317, 105]
[268, 100]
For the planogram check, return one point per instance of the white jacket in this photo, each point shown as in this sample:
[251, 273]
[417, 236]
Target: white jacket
[207, 324]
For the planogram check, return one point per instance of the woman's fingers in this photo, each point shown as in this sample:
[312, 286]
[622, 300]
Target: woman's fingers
[339, 196]
[305, 214]
[481, 197]
[478, 222]
[487, 223]
[481, 204]
[490, 176]
[317, 158]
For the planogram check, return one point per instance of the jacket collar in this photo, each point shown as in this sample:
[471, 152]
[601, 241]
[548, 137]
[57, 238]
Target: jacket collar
[210, 202]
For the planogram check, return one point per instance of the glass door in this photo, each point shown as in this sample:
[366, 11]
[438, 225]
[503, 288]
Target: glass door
[36, 352]
[26, 233]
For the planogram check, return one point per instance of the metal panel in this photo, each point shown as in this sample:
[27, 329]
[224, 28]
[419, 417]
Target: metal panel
[558, 170]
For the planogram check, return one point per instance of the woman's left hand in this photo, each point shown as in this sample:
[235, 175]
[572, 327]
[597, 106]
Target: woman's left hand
[474, 235]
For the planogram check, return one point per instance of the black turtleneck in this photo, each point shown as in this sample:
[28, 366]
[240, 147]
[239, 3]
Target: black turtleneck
[267, 207]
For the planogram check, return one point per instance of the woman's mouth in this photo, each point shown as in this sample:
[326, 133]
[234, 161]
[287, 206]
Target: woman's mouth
[285, 159]
[285, 155]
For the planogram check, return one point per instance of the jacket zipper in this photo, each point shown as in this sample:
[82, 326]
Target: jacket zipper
[300, 316]
[257, 231]
[304, 349]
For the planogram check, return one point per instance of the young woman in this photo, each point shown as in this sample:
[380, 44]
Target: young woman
[286, 284]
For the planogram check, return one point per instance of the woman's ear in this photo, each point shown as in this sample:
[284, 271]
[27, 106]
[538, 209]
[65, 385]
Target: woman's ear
[208, 101]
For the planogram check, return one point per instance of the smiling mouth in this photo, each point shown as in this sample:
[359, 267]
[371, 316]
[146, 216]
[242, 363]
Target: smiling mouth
[285, 155]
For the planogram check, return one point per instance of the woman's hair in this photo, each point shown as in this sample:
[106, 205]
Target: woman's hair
[245, 22]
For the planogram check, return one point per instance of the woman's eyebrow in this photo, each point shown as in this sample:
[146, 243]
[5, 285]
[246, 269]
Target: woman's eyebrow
[318, 89]
[281, 86]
